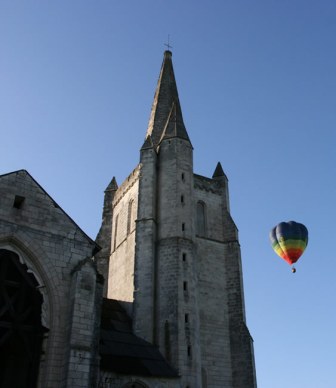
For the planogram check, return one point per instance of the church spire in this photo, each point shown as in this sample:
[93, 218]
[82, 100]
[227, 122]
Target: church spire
[165, 102]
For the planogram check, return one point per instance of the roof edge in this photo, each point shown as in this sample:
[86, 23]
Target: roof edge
[96, 247]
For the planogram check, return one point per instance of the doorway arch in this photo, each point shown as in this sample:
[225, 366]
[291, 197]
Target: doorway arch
[21, 329]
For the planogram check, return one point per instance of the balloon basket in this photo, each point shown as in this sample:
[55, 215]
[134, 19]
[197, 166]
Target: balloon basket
[293, 269]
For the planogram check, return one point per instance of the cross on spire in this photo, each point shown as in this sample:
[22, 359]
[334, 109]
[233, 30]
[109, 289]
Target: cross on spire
[168, 45]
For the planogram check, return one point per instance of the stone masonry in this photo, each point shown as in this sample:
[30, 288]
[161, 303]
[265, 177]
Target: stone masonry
[59, 255]
[178, 265]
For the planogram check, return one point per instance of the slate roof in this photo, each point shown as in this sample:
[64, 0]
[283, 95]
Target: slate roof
[122, 351]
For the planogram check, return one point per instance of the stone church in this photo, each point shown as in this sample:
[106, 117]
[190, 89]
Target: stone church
[156, 301]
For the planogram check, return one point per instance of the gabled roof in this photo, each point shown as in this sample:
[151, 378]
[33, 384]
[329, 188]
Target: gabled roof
[165, 101]
[121, 351]
[26, 174]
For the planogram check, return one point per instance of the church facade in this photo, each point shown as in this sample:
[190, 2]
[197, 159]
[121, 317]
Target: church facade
[156, 301]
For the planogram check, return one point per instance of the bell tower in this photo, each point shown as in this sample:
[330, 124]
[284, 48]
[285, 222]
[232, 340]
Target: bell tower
[177, 269]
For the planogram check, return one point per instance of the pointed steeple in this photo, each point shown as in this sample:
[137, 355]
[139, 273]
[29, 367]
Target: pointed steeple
[219, 173]
[113, 185]
[165, 98]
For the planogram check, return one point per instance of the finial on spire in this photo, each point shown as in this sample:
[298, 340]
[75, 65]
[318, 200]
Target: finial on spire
[168, 44]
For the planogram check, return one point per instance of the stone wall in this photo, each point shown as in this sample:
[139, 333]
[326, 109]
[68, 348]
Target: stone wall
[145, 250]
[226, 346]
[50, 244]
[121, 268]
[211, 270]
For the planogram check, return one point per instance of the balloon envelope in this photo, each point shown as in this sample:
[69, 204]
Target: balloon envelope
[289, 240]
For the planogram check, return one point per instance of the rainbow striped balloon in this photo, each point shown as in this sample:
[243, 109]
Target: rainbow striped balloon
[289, 240]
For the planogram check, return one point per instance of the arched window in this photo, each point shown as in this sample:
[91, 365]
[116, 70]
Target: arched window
[130, 216]
[201, 219]
[21, 330]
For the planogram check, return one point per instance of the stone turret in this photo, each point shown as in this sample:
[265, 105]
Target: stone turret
[145, 250]
[223, 182]
[175, 312]
[105, 233]
[175, 258]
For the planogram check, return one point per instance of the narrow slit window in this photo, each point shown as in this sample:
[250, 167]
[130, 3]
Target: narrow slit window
[189, 351]
[186, 318]
[184, 256]
[185, 286]
[182, 198]
[183, 226]
[130, 217]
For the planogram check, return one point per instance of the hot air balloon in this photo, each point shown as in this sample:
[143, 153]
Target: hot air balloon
[289, 240]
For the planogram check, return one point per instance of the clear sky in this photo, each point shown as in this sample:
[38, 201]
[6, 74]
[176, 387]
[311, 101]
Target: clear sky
[257, 87]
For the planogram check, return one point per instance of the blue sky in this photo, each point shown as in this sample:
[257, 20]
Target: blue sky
[257, 87]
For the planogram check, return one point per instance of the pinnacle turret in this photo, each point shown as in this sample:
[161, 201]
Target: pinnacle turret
[218, 173]
[166, 102]
[148, 143]
[113, 185]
